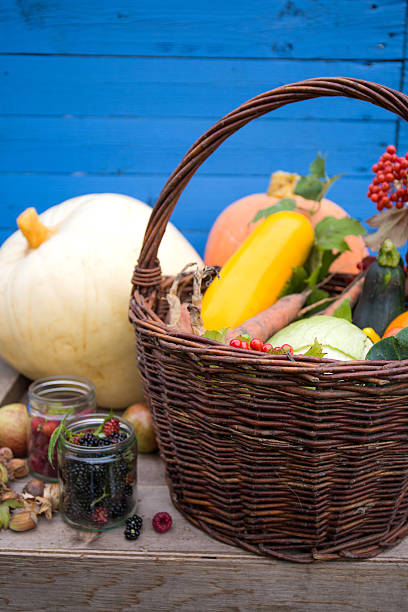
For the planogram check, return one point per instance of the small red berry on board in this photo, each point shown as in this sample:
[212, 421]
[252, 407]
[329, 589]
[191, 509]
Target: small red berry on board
[235, 343]
[266, 348]
[162, 522]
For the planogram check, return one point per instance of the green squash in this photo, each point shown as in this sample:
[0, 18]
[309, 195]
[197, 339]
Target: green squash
[383, 294]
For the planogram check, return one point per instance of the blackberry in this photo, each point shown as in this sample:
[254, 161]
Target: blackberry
[89, 439]
[115, 438]
[128, 490]
[104, 442]
[134, 521]
[117, 509]
[75, 511]
[131, 533]
[120, 469]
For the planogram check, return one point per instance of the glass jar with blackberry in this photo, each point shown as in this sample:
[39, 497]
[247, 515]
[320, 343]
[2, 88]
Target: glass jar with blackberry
[97, 461]
[49, 400]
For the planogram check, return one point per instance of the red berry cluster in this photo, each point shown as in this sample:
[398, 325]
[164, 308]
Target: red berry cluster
[389, 186]
[256, 344]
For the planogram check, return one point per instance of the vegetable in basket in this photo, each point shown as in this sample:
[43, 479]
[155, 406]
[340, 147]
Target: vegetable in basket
[302, 194]
[338, 338]
[383, 294]
[253, 278]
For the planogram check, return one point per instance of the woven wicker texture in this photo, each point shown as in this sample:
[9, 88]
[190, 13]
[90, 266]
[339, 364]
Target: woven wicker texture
[302, 460]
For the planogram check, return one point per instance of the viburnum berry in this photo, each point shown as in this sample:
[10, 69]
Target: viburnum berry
[244, 344]
[287, 348]
[235, 343]
[162, 522]
[112, 426]
[389, 185]
[256, 344]
[267, 347]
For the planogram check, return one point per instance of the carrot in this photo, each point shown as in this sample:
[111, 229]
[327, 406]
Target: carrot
[352, 291]
[269, 321]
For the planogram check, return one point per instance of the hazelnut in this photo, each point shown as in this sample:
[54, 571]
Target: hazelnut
[34, 487]
[17, 468]
[23, 521]
[5, 454]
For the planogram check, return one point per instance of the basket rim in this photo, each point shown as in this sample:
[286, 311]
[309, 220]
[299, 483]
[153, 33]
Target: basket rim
[144, 318]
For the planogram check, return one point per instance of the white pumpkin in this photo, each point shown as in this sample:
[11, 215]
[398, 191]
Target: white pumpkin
[64, 305]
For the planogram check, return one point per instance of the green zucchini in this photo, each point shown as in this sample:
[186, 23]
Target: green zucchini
[383, 294]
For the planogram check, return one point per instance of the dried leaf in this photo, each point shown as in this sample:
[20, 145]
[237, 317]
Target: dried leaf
[392, 224]
[196, 320]
[174, 300]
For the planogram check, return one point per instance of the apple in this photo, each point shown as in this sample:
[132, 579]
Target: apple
[141, 419]
[14, 424]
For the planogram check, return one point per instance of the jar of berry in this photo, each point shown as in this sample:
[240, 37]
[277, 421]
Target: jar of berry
[49, 400]
[97, 458]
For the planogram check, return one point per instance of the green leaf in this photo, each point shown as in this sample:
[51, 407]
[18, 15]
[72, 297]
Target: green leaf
[296, 283]
[330, 232]
[315, 185]
[317, 167]
[309, 187]
[316, 296]
[216, 334]
[343, 310]
[391, 348]
[13, 503]
[4, 515]
[284, 204]
[54, 439]
[99, 430]
[316, 350]
[245, 338]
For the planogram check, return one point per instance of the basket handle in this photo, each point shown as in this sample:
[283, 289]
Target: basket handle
[147, 272]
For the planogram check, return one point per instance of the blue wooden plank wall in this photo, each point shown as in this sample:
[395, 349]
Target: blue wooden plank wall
[107, 96]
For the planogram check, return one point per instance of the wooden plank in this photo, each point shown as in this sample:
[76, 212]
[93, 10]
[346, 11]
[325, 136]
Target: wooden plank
[168, 87]
[56, 567]
[205, 196]
[298, 28]
[155, 146]
[12, 384]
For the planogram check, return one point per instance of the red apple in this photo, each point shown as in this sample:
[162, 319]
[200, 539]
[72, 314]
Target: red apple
[141, 419]
[14, 425]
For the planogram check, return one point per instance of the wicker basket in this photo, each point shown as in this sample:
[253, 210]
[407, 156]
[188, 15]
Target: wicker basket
[304, 460]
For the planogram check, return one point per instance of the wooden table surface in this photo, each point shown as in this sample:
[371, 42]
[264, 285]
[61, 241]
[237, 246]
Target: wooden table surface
[54, 567]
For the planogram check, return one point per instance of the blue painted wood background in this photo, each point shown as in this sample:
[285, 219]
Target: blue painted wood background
[107, 96]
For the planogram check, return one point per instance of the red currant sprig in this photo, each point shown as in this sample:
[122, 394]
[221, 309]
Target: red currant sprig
[256, 344]
[389, 185]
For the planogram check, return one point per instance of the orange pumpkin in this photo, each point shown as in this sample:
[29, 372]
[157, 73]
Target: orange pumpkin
[234, 224]
[396, 325]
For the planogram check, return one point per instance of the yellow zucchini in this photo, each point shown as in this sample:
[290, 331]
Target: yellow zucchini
[254, 276]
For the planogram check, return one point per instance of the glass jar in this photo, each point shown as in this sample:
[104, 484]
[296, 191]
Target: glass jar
[49, 400]
[97, 484]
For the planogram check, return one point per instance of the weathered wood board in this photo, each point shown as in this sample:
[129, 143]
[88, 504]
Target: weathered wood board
[57, 568]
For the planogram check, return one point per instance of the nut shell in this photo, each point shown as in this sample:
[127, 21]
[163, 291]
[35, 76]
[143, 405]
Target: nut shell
[34, 487]
[23, 521]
